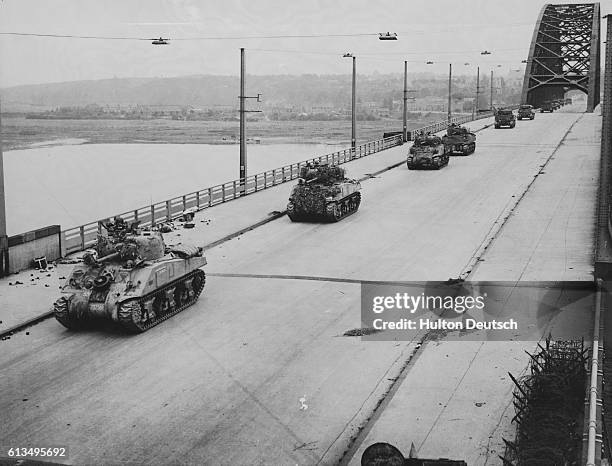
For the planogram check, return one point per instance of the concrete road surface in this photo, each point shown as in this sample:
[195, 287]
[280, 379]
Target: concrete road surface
[258, 370]
[456, 400]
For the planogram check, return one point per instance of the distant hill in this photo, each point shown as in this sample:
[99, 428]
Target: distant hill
[210, 90]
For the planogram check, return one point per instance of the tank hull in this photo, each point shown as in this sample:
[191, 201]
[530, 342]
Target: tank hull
[331, 210]
[324, 203]
[508, 121]
[427, 158]
[464, 144]
[134, 296]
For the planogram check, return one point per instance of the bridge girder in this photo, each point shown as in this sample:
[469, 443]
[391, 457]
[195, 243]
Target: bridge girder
[564, 54]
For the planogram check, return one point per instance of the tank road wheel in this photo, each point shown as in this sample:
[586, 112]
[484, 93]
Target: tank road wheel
[133, 317]
[168, 304]
[181, 294]
[357, 200]
[61, 311]
[337, 212]
[333, 212]
[159, 305]
[138, 315]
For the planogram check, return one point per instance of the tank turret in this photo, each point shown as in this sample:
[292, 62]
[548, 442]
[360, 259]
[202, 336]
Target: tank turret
[130, 277]
[323, 193]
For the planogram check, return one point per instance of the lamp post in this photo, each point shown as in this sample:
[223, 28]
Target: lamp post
[243, 112]
[476, 105]
[4, 249]
[405, 132]
[243, 149]
[353, 109]
[491, 89]
[450, 74]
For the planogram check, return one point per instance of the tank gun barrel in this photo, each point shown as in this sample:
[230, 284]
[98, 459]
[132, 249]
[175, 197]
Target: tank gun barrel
[109, 257]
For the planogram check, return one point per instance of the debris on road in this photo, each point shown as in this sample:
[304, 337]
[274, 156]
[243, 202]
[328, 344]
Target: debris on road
[358, 332]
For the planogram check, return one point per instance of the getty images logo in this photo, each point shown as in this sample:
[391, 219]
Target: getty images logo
[414, 303]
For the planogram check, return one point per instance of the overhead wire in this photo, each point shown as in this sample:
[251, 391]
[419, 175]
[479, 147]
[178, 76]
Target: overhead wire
[280, 36]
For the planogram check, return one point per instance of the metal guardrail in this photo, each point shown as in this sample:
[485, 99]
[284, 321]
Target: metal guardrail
[593, 413]
[441, 125]
[84, 236]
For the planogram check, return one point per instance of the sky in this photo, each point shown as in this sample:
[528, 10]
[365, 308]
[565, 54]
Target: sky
[206, 37]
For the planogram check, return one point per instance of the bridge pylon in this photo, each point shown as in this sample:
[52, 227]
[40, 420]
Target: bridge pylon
[564, 54]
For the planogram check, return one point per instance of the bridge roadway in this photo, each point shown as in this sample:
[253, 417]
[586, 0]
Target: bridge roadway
[221, 382]
[458, 393]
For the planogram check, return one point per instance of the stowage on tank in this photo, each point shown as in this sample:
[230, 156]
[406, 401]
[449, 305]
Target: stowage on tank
[459, 140]
[132, 278]
[427, 152]
[323, 193]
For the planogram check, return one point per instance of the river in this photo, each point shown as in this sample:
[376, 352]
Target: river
[75, 184]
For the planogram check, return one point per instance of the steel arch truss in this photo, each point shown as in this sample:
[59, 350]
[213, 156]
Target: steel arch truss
[564, 54]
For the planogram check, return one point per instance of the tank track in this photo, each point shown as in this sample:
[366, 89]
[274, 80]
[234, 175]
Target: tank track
[135, 307]
[291, 212]
[471, 149]
[414, 166]
[463, 149]
[62, 315]
[350, 204]
[336, 211]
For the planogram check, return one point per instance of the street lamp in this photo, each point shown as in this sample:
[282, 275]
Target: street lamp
[387, 36]
[476, 104]
[160, 41]
[405, 115]
[4, 249]
[450, 74]
[243, 112]
[491, 89]
[353, 110]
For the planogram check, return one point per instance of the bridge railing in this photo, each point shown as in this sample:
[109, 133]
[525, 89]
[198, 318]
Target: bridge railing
[84, 236]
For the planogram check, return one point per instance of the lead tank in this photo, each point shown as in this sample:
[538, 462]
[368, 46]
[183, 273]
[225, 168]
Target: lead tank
[459, 140]
[131, 278]
[427, 152]
[323, 193]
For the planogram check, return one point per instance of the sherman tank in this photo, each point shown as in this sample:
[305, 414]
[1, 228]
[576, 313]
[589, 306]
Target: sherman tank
[427, 152]
[323, 193]
[131, 278]
[459, 140]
